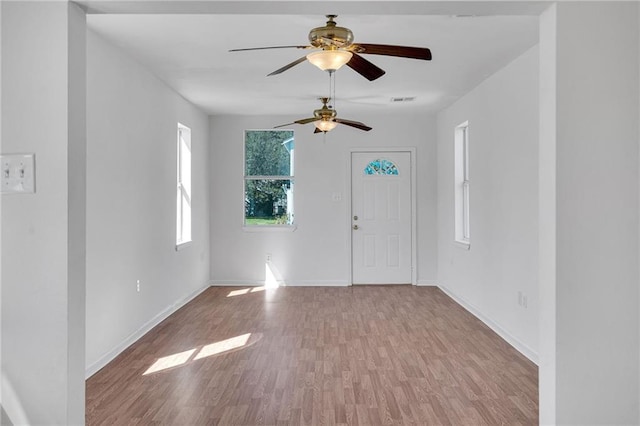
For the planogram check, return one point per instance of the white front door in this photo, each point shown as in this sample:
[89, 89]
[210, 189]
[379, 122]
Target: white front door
[381, 217]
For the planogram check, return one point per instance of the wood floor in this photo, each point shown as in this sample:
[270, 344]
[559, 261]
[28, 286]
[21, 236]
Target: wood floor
[362, 355]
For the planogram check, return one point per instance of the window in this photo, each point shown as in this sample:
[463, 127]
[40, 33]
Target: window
[183, 197]
[461, 159]
[381, 167]
[268, 177]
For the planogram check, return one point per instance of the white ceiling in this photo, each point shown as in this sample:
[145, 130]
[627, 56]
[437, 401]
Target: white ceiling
[190, 53]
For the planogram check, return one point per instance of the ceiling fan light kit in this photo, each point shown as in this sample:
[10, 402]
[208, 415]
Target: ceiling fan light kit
[329, 60]
[325, 125]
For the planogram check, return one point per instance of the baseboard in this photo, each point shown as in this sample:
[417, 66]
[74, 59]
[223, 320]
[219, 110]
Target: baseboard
[305, 283]
[426, 283]
[132, 338]
[513, 341]
[318, 283]
[235, 283]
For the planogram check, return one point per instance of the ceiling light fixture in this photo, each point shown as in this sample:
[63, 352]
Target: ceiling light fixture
[325, 125]
[329, 60]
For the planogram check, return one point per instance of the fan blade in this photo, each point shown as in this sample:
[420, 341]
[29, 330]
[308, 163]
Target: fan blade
[356, 124]
[389, 50]
[365, 68]
[301, 121]
[283, 125]
[306, 120]
[286, 67]
[317, 131]
[270, 47]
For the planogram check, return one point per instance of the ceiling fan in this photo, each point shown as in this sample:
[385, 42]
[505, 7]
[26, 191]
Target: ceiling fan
[337, 49]
[325, 119]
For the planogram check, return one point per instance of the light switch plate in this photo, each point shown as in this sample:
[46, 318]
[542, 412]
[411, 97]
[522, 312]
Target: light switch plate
[18, 173]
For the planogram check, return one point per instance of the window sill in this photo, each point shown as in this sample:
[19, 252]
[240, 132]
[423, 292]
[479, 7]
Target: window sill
[183, 245]
[269, 228]
[465, 245]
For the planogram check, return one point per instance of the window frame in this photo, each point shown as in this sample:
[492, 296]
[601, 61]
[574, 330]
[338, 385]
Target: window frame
[462, 187]
[291, 178]
[184, 190]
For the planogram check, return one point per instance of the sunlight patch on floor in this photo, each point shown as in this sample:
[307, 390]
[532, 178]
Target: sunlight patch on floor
[181, 359]
[246, 291]
[223, 346]
[170, 361]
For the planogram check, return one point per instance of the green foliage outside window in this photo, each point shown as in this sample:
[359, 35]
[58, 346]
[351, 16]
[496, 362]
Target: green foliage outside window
[268, 183]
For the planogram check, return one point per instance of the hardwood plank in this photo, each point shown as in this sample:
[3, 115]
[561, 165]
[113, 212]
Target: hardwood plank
[363, 355]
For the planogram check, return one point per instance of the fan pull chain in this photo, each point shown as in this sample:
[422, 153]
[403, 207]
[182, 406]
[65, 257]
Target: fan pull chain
[332, 88]
[334, 91]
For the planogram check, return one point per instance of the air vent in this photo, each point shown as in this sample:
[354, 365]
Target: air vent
[404, 99]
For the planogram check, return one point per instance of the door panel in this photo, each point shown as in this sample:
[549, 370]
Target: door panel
[381, 217]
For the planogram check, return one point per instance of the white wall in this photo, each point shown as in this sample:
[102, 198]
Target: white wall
[597, 309]
[43, 234]
[547, 219]
[317, 252]
[131, 195]
[502, 260]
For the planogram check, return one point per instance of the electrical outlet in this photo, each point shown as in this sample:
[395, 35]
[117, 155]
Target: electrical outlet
[268, 257]
[523, 299]
[138, 285]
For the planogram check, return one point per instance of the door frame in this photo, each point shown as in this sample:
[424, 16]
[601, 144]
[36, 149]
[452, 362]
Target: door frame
[412, 155]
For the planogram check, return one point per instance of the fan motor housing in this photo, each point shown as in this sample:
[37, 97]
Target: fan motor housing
[339, 36]
[325, 113]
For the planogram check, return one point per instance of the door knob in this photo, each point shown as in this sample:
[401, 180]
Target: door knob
[356, 227]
